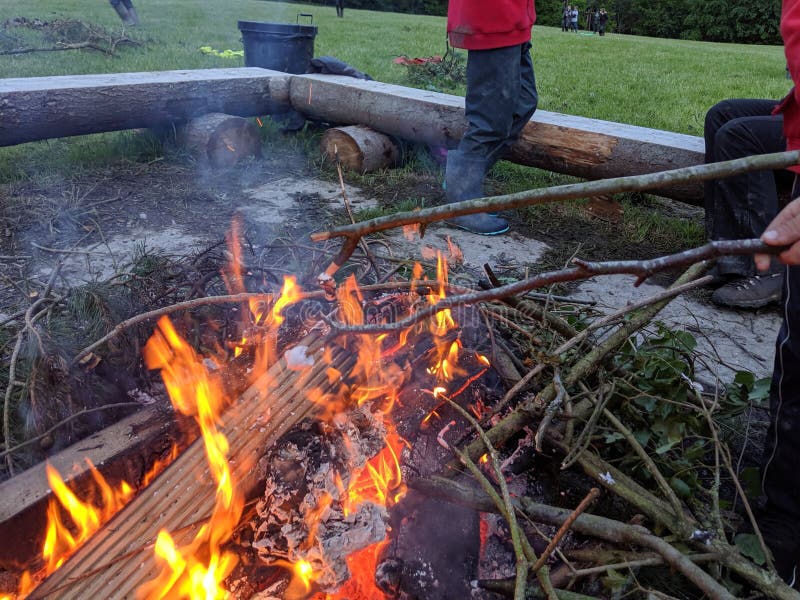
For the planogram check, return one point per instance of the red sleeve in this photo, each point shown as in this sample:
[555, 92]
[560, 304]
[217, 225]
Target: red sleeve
[790, 107]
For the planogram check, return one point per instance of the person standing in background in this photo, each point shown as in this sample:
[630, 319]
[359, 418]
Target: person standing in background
[126, 12]
[340, 8]
[501, 96]
[602, 21]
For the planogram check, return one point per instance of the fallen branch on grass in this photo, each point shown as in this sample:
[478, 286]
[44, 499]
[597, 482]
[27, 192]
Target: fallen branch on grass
[636, 183]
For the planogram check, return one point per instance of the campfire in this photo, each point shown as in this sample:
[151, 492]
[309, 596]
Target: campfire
[339, 431]
[329, 483]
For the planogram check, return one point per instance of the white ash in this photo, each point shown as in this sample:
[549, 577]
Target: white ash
[301, 516]
[297, 358]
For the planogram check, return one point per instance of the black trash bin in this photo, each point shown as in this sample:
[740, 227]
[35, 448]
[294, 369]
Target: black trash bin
[283, 47]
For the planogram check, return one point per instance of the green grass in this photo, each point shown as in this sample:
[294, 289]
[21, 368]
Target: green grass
[664, 84]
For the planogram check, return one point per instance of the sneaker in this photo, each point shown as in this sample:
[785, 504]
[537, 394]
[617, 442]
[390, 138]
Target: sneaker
[750, 292]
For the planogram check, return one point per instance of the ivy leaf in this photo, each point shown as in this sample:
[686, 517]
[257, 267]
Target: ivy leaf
[748, 545]
[759, 392]
[680, 486]
[612, 437]
[614, 581]
[750, 479]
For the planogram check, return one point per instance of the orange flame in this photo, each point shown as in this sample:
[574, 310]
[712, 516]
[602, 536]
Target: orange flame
[290, 294]
[196, 570]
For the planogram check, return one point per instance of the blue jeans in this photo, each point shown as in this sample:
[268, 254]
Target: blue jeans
[501, 98]
[741, 206]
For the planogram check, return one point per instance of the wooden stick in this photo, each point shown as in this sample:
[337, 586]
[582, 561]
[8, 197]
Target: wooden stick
[352, 233]
[642, 269]
[565, 527]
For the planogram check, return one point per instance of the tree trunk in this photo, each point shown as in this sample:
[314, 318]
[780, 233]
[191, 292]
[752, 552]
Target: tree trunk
[38, 108]
[360, 148]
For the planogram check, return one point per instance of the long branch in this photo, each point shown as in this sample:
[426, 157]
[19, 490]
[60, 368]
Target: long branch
[633, 183]
[642, 269]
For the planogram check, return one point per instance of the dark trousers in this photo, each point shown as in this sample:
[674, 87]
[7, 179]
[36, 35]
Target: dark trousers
[501, 98]
[780, 517]
[339, 8]
[741, 206]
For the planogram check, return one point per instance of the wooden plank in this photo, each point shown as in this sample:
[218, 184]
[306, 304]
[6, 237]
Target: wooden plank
[118, 559]
[123, 451]
[579, 146]
[39, 108]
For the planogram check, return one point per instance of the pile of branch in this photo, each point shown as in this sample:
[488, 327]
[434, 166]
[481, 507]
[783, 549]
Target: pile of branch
[561, 406]
[60, 34]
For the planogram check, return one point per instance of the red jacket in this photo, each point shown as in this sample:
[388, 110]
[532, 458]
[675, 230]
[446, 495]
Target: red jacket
[790, 106]
[487, 24]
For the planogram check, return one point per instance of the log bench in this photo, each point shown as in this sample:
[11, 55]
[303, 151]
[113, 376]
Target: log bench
[39, 108]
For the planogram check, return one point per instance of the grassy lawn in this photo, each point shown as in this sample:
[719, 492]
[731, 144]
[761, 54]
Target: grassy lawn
[664, 84]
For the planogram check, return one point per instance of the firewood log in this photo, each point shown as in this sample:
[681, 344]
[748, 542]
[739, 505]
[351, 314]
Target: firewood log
[220, 140]
[360, 148]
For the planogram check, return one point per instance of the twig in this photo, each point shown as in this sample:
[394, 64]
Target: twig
[12, 368]
[72, 417]
[505, 506]
[551, 410]
[726, 459]
[645, 458]
[352, 233]
[592, 525]
[565, 526]
[584, 269]
[653, 561]
[346, 200]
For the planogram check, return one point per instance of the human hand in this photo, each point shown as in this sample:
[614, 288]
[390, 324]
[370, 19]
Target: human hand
[783, 231]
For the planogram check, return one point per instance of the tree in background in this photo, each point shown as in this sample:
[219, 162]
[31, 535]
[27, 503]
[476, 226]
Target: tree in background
[738, 21]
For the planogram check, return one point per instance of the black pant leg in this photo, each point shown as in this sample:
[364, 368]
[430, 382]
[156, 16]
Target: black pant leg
[501, 97]
[741, 206]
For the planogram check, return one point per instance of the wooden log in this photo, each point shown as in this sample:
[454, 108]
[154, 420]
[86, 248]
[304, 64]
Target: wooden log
[45, 107]
[359, 148]
[38, 108]
[119, 558]
[220, 140]
[122, 452]
[579, 146]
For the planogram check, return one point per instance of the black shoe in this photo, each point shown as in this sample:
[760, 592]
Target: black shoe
[464, 181]
[750, 292]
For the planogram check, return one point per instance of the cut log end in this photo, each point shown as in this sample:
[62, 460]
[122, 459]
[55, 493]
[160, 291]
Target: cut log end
[360, 148]
[219, 140]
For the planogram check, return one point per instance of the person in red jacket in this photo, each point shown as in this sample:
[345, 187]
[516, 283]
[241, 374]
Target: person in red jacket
[779, 517]
[501, 95]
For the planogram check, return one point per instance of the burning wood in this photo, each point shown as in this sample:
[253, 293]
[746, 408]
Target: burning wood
[325, 497]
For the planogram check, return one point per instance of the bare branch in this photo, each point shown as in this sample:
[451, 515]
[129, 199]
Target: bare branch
[634, 183]
[642, 269]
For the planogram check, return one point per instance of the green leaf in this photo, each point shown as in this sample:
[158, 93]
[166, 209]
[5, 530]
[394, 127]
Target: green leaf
[614, 581]
[745, 378]
[646, 402]
[759, 391]
[748, 545]
[750, 478]
[612, 437]
[680, 487]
